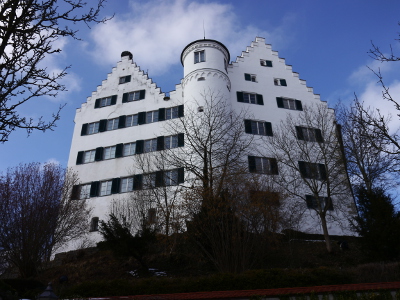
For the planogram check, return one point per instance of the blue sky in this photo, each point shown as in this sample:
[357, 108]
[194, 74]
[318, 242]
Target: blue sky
[326, 42]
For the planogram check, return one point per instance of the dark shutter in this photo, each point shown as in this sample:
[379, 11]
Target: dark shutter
[84, 129]
[260, 100]
[247, 126]
[299, 132]
[239, 96]
[247, 77]
[142, 118]
[159, 178]
[118, 150]
[160, 143]
[125, 97]
[274, 166]
[303, 169]
[103, 125]
[113, 100]
[99, 154]
[94, 189]
[268, 63]
[310, 201]
[318, 136]
[322, 171]
[115, 185]
[252, 164]
[79, 158]
[181, 139]
[139, 146]
[181, 175]
[328, 203]
[128, 78]
[138, 182]
[97, 103]
[142, 94]
[121, 122]
[268, 129]
[299, 106]
[161, 114]
[283, 82]
[279, 101]
[76, 190]
[180, 111]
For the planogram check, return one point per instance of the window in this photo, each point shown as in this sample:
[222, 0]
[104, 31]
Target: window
[281, 82]
[129, 149]
[124, 79]
[258, 127]
[152, 216]
[171, 141]
[309, 134]
[93, 128]
[105, 188]
[171, 113]
[312, 170]
[131, 120]
[88, 156]
[109, 152]
[152, 116]
[199, 56]
[94, 224]
[171, 177]
[250, 77]
[287, 103]
[133, 96]
[112, 124]
[150, 145]
[263, 165]
[265, 63]
[84, 191]
[252, 98]
[149, 180]
[126, 184]
[106, 101]
[201, 79]
[319, 203]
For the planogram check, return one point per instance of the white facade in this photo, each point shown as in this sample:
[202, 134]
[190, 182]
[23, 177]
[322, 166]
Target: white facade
[258, 70]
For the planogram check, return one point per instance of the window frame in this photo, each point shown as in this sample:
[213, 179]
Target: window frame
[199, 56]
[280, 82]
[266, 63]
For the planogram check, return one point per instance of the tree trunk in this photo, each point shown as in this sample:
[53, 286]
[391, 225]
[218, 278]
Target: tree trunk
[326, 233]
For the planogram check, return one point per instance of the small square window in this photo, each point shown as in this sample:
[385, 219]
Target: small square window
[84, 191]
[126, 185]
[105, 188]
[89, 156]
[250, 77]
[265, 63]
[124, 79]
[150, 145]
[131, 120]
[129, 149]
[280, 82]
[109, 152]
[112, 124]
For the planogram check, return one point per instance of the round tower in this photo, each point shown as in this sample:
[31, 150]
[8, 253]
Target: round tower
[205, 71]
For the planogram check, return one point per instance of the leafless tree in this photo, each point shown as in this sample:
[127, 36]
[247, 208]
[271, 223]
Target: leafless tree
[311, 165]
[28, 30]
[215, 193]
[368, 164]
[37, 214]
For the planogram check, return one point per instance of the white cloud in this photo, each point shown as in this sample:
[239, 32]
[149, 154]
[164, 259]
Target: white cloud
[156, 32]
[372, 97]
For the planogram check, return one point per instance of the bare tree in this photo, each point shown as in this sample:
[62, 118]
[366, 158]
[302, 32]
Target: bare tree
[37, 214]
[312, 170]
[28, 30]
[368, 164]
[217, 178]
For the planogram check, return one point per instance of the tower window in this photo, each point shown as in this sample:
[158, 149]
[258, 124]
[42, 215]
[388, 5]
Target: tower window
[201, 79]
[94, 224]
[199, 56]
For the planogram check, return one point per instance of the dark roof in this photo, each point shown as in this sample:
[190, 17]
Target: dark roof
[205, 40]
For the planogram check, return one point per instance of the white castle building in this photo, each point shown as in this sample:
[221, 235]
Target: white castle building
[126, 115]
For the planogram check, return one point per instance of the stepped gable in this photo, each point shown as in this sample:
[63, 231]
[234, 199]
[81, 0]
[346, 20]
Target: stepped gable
[260, 42]
[138, 75]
